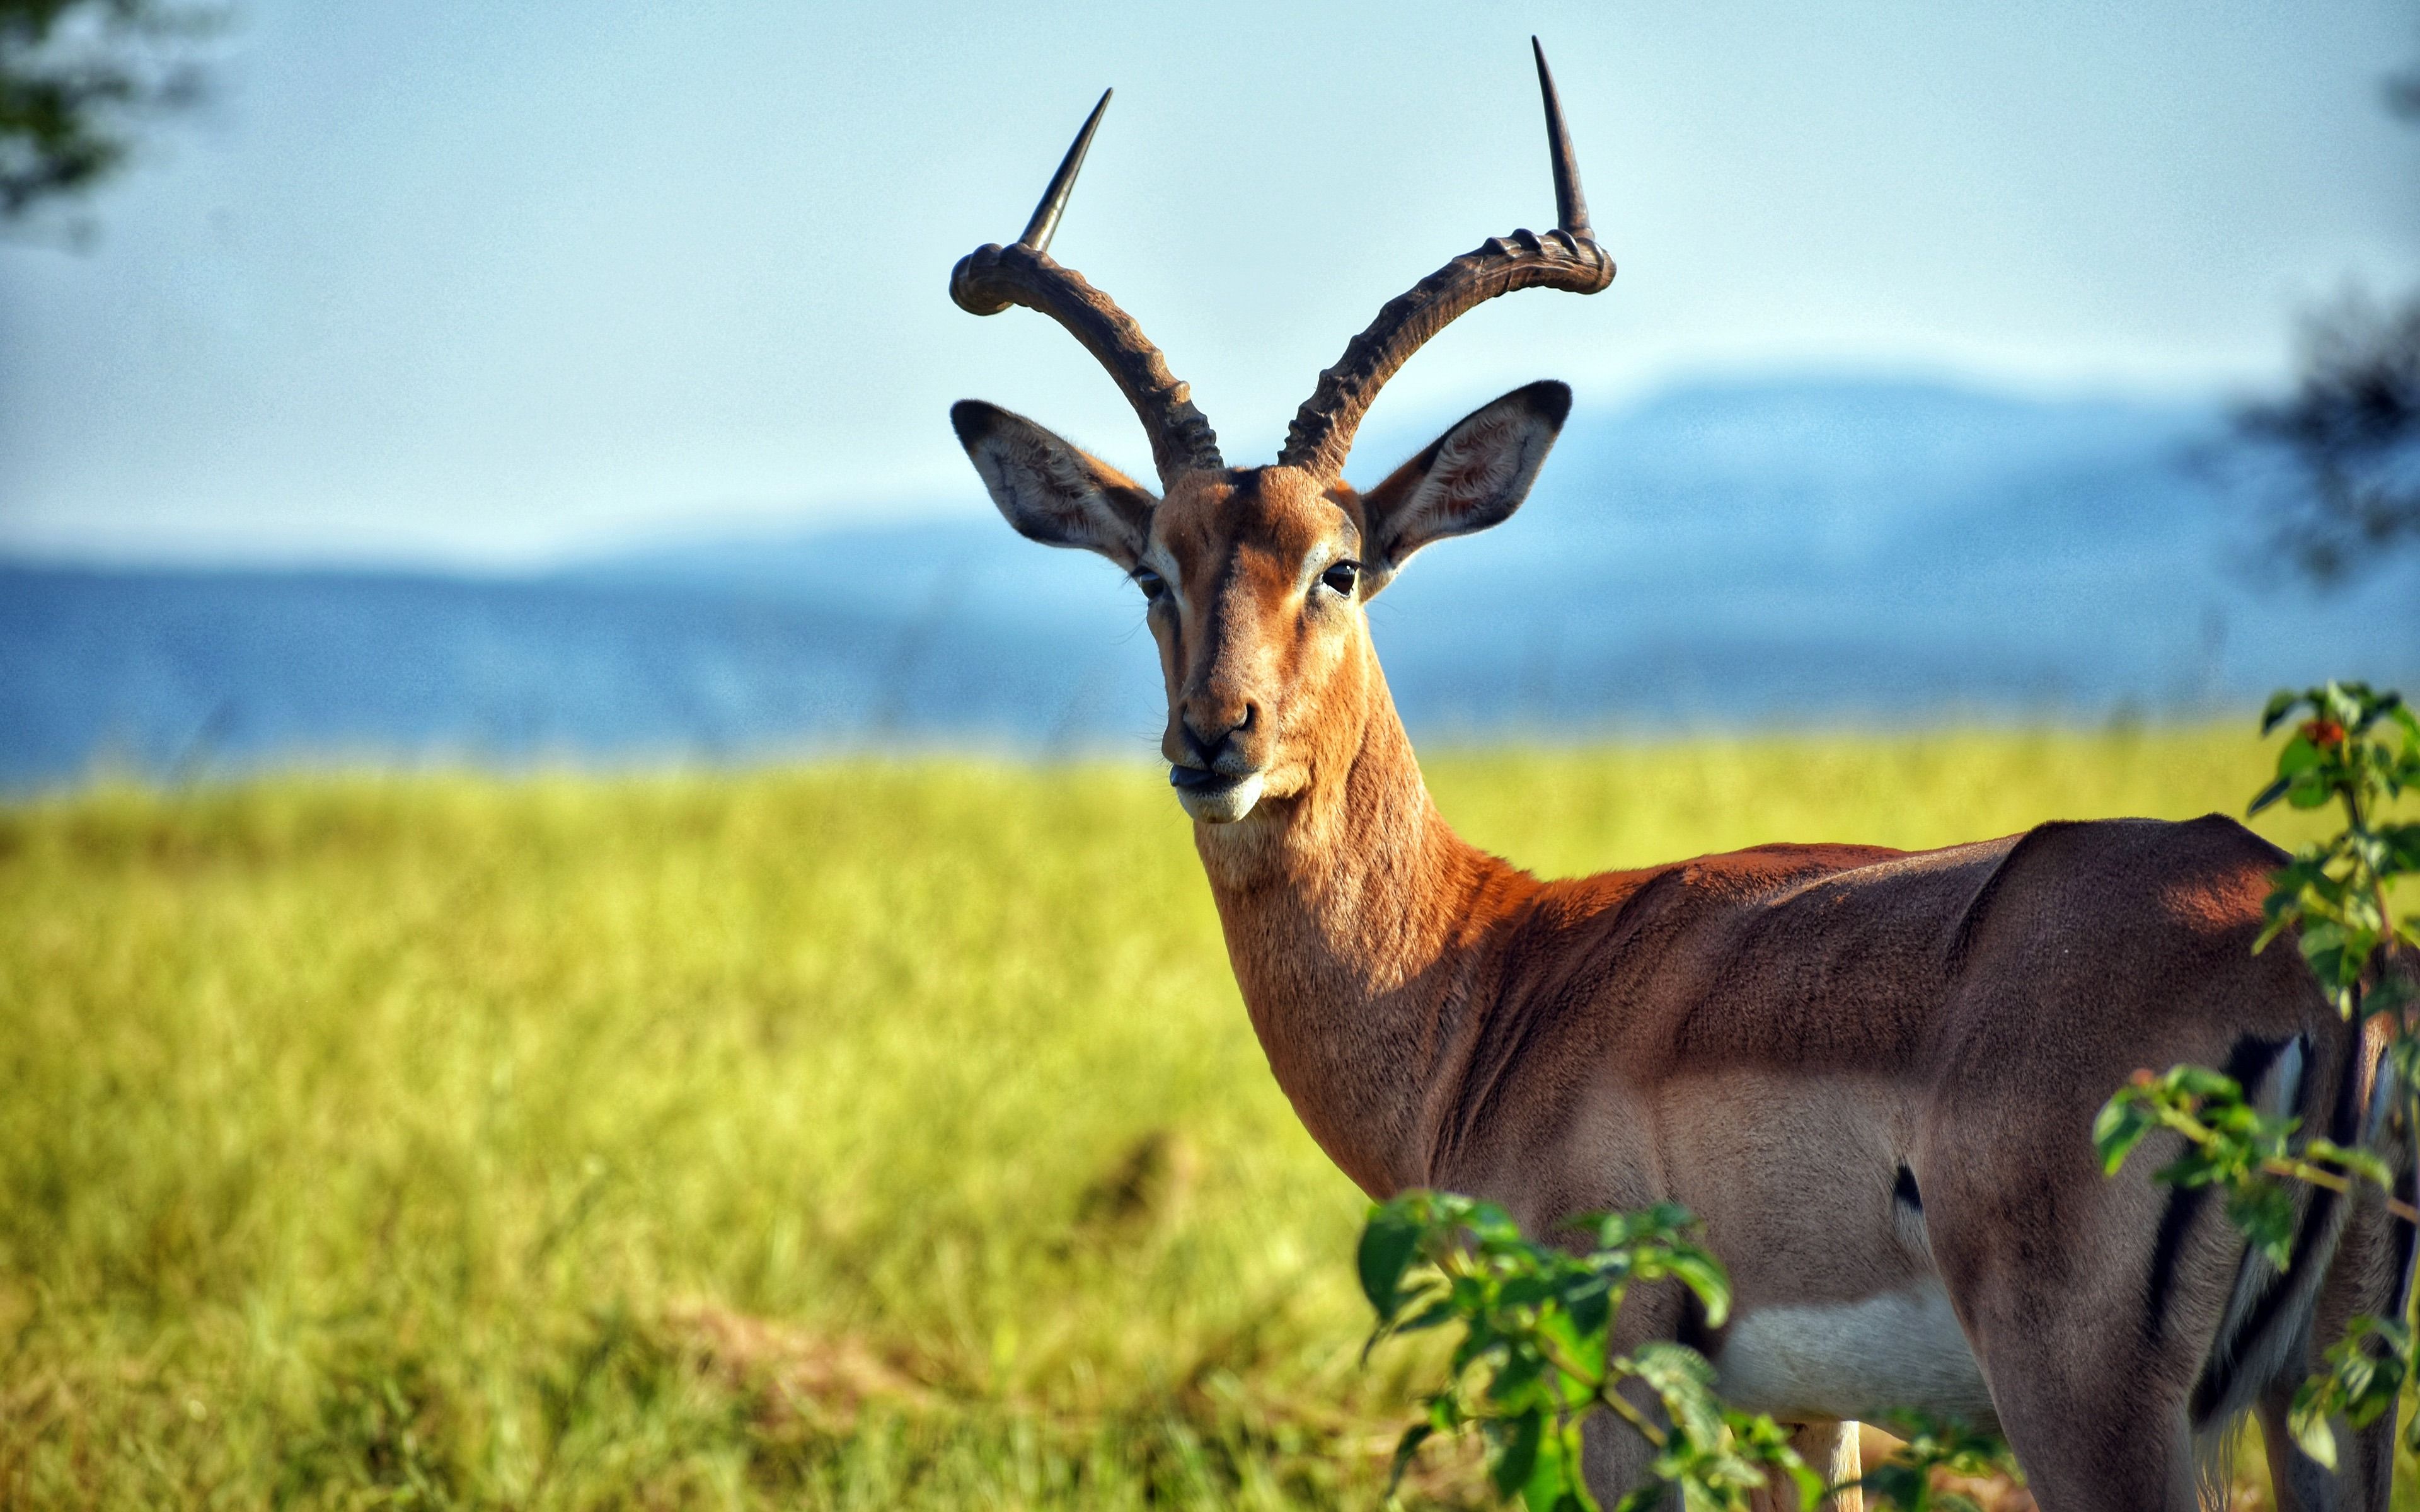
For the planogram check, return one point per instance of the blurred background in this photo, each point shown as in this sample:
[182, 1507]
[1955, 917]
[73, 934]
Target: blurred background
[464, 383]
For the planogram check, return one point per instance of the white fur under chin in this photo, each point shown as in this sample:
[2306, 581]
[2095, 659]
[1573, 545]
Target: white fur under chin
[1222, 806]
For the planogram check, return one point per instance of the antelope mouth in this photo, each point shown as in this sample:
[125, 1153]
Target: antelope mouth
[1215, 797]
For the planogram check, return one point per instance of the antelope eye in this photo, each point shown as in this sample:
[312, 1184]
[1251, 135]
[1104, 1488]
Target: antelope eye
[1342, 577]
[1153, 585]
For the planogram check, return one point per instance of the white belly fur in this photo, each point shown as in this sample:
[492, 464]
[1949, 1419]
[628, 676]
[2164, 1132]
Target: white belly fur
[1855, 1360]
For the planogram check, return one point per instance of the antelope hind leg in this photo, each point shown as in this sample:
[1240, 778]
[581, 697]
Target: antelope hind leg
[2370, 1272]
[1830, 1450]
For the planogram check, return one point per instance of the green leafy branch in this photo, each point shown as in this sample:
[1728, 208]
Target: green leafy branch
[1536, 1357]
[2364, 1373]
[2231, 1143]
[2358, 748]
[2361, 749]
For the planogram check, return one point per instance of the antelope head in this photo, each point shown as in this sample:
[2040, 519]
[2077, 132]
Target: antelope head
[1256, 578]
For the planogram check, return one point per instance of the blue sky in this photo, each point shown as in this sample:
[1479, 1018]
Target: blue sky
[482, 283]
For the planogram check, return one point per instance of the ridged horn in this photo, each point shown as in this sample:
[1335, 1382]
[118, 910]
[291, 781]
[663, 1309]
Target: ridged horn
[1567, 258]
[992, 277]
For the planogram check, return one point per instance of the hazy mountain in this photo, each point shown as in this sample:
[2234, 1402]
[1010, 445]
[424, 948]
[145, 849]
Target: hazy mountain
[1800, 551]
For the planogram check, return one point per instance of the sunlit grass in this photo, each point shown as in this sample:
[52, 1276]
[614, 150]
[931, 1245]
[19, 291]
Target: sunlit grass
[857, 1135]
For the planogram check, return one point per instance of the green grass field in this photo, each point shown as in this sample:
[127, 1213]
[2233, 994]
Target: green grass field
[859, 1136]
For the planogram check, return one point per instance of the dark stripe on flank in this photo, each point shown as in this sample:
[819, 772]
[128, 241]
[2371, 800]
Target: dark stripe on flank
[2247, 1063]
[1903, 1189]
[2217, 1382]
[1693, 1334]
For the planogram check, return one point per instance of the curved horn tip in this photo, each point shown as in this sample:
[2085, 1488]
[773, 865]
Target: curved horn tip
[1045, 224]
[1571, 206]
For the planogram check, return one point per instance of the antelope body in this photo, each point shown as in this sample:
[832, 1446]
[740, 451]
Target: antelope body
[1873, 1074]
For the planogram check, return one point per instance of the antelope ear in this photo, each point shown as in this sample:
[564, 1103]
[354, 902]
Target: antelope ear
[1051, 491]
[1472, 477]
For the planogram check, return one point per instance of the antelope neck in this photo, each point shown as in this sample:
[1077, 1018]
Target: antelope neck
[1359, 927]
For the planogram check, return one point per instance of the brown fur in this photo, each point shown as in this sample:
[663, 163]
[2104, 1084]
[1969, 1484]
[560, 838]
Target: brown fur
[1769, 1036]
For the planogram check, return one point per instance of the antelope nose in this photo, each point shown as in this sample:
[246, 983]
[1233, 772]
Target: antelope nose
[1213, 735]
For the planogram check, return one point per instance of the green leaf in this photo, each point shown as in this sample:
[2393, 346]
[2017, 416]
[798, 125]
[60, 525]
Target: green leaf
[2265, 1211]
[1390, 1242]
[2312, 1434]
[1681, 1377]
[1429, 1317]
[1703, 1275]
[1405, 1448]
[1479, 1341]
[1518, 1455]
[1589, 1305]
[2326, 938]
[1554, 1483]
[2200, 1080]
[2121, 1124]
[1488, 1222]
[1516, 1376]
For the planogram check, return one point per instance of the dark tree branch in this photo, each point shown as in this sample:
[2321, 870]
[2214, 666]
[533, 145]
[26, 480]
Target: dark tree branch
[2340, 458]
[74, 77]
